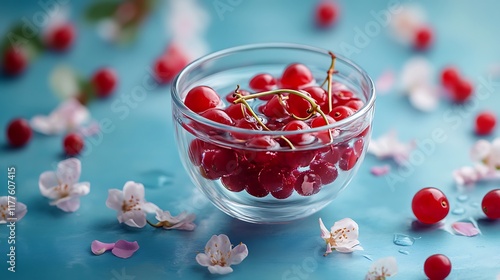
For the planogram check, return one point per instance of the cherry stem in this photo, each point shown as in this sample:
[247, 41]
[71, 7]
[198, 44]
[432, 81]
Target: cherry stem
[314, 106]
[328, 79]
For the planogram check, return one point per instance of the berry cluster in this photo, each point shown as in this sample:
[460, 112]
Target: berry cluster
[265, 164]
[459, 88]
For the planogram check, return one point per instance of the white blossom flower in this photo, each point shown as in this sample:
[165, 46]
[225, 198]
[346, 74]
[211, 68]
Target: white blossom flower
[388, 146]
[220, 255]
[487, 163]
[63, 187]
[11, 210]
[416, 81]
[69, 115]
[130, 204]
[342, 237]
[183, 221]
[64, 82]
[382, 268]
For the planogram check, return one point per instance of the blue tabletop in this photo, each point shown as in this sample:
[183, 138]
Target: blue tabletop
[51, 244]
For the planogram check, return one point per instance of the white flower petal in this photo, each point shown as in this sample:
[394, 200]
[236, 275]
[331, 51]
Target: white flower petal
[64, 82]
[325, 234]
[481, 149]
[217, 269]
[68, 171]
[238, 254]
[115, 199]
[417, 72]
[68, 116]
[424, 97]
[47, 183]
[133, 218]
[384, 267]
[21, 210]
[345, 230]
[203, 259]
[48, 125]
[388, 146]
[218, 243]
[150, 207]
[133, 189]
[67, 204]
[80, 189]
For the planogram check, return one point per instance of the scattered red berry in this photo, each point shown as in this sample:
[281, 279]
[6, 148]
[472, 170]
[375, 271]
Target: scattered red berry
[18, 132]
[170, 64]
[61, 37]
[450, 77]
[423, 38]
[437, 267]
[326, 13]
[14, 61]
[491, 204]
[202, 98]
[73, 144]
[104, 81]
[430, 205]
[462, 91]
[485, 123]
[296, 76]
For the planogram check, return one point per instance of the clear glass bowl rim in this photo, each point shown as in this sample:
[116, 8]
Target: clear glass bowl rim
[299, 47]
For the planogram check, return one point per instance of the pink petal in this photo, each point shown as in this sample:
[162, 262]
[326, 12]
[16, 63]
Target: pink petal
[380, 170]
[466, 229]
[385, 82]
[124, 249]
[99, 247]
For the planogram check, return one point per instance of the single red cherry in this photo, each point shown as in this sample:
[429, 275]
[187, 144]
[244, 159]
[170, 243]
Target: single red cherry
[202, 98]
[299, 138]
[288, 185]
[73, 144]
[308, 183]
[462, 91]
[275, 108]
[219, 162]
[326, 13]
[348, 159]
[263, 142]
[430, 205]
[271, 177]
[249, 176]
[437, 267]
[324, 135]
[491, 204]
[104, 81]
[326, 170]
[341, 112]
[61, 37]
[297, 158]
[238, 111]
[342, 97]
[449, 77]
[168, 66]
[18, 132]
[296, 76]
[485, 123]
[423, 38]
[299, 106]
[332, 155]
[195, 151]
[15, 61]
[245, 124]
[231, 97]
[233, 183]
[216, 115]
[319, 95]
[355, 104]
[263, 82]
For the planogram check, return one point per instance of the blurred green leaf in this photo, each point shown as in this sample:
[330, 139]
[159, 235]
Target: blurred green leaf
[17, 37]
[101, 10]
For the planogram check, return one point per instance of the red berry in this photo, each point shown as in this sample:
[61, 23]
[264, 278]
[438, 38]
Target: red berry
[263, 82]
[271, 178]
[450, 77]
[355, 104]
[348, 159]
[275, 108]
[332, 155]
[195, 151]
[485, 123]
[342, 97]
[233, 183]
[491, 204]
[249, 177]
[288, 187]
[296, 76]
[216, 115]
[231, 97]
[326, 13]
[298, 105]
[219, 162]
[437, 267]
[423, 38]
[297, 158]
[18, 132]
[326, 170]
[14, 61]
[308, 183]
[202, 98]
[300, 138]
[73, 144]
[238, 111]
[104, 81]
[341, 112]
[430, 205]
[245, 124]
[167, 67]
[61, 37]
[324, 135]
[263, 142]
[319, 95]
[462, 91]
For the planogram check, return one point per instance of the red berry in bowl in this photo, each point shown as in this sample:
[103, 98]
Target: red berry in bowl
[462, 91]
[104, 81]
[233, 183]
[308, 183]
[355, 104]
[245, 124]
[449, 77]
[275, 108]
[196, 150]
[485, 123]
[430, 205]
[231, 97]
[202, 98]
[437, 267]
[299, 138]
[61, 37]
[341, 97]
[73, 144]
[299, 106]
[341, 112]
[296, 76]
[263, 82]
[271, 178]
[18, 132]
[348, 159]
[423, 38]
[323, 136]
[297, 158]
[319, 95]
[237, 111]
[326, 13]
[287, 187]
[14, 61]
[219, 162]
[491, 204]
[326, 170]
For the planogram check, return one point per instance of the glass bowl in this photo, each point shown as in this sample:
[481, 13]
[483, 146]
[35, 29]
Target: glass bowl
[313, 174]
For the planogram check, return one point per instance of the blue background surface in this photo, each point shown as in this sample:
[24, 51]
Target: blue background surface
[52, 244]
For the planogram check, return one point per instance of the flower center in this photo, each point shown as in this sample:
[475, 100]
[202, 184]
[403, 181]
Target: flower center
[62, 190]
[131, 204]
[3, 211]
